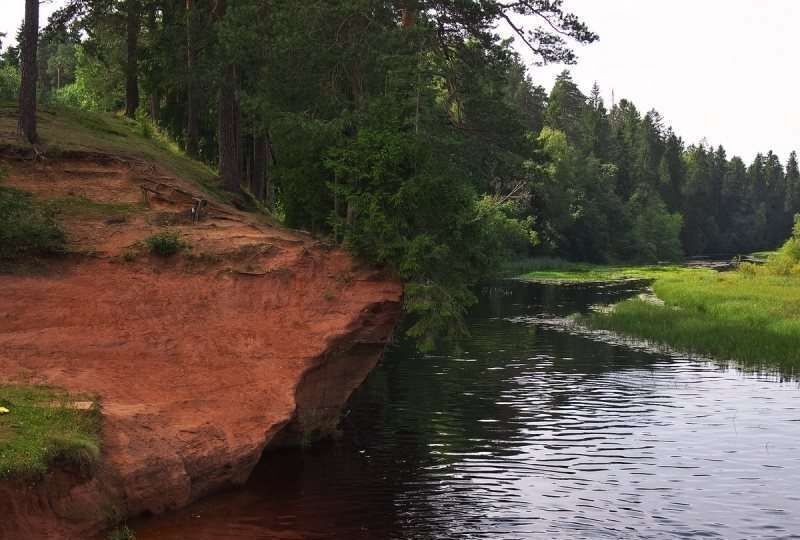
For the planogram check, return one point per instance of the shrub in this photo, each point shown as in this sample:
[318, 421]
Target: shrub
[786, 262]
[165, 244]
[9, 83]
[26, 228]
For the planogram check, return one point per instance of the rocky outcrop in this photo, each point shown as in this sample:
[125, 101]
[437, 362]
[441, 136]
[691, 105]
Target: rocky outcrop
[255, 337]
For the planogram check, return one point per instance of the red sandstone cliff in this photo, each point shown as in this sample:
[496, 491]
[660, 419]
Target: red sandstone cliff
[255, 337]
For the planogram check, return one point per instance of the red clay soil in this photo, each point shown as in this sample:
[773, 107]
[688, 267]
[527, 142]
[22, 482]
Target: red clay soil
[255, 337]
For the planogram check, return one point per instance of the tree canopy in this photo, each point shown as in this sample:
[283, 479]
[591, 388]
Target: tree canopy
[412, 133]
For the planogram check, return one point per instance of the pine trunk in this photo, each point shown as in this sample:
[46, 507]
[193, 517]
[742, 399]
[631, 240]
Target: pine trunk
[26, 124]
[230, 159]
[259, 169]
[132, 64]
[269, 186]
[155, 105]
[192, 126]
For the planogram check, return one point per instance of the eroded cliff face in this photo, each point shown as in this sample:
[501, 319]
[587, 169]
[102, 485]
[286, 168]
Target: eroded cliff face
[255, 337]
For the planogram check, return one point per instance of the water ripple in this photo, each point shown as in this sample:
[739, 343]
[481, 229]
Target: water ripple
[531, 432]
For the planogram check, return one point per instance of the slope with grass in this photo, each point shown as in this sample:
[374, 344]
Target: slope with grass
[65, 132]
[205, 333]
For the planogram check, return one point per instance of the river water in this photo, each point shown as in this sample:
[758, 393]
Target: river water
[531, 432]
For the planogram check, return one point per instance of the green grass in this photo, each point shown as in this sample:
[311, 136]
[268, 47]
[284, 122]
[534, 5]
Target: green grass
[63, 129]
[557, 271]
[165, 244]
[83, 207]
[27, 227]
[752, 319]
[42, 430]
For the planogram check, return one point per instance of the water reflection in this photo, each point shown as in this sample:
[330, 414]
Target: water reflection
[532, 433]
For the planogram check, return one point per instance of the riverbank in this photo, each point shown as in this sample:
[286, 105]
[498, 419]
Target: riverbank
[747, 317]
[205, 335]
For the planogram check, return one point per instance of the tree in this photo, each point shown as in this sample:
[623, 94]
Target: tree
[792, 199]
[26, 125]
[192, 101]
[133, 18]
[61, 64]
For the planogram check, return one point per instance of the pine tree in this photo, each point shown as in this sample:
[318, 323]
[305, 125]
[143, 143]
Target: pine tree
[792, 201]
[26, 126]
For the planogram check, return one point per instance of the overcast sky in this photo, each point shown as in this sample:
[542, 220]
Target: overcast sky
[725, 70]
[720, 69]
[13, 11]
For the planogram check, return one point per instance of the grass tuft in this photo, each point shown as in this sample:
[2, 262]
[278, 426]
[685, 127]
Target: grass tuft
[44, 428]
[83, 207]
[165, 244]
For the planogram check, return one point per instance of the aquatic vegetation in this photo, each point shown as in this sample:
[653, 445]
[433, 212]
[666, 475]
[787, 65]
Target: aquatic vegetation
[558, 271]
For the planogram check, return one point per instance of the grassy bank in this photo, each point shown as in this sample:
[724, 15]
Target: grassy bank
[751, 316]
[41, 427]
[729, 316]
[63, 129]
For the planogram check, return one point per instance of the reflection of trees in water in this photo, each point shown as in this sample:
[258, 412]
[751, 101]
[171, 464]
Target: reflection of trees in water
[510, 298]
[420, 416]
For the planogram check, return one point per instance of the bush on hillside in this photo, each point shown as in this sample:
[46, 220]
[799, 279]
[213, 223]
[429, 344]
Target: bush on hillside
[26, 228]
[165, 244]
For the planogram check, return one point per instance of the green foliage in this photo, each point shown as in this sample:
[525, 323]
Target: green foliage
[617, 184]
[9, 82]
[95, 86]
[44, 428]
[83, 207]
[165, 244]
[403, 208]
[655, 233]
[27, 228]
[784, 262]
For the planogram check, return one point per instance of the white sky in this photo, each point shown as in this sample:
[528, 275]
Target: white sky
[725, 70]
[13, 11]
[722, 70]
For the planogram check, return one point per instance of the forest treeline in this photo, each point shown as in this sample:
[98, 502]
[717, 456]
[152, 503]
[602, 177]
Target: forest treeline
[411, 132]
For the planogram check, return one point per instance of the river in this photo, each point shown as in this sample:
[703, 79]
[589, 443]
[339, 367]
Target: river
[531, 432]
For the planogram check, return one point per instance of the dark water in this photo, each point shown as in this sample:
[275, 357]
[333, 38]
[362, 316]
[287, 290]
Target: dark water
[531, 433]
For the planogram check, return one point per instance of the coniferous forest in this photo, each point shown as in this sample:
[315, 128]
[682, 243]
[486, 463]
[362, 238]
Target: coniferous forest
[412, 133]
